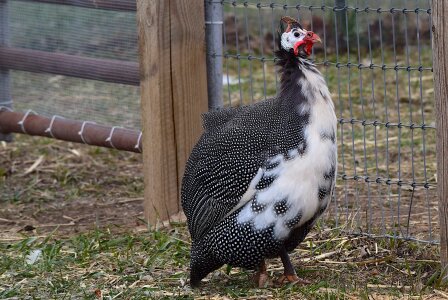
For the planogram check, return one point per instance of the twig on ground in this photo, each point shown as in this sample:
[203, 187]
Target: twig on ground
[440, 293]
[7, 221]
[386, 286]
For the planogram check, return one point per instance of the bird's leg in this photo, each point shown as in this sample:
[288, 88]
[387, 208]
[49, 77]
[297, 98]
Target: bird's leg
[289, 274]
[261, 277]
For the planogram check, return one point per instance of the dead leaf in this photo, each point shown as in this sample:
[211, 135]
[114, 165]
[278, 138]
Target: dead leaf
[364, 252]
[34, 166]
[27, 228]
[98, 294]
[75, 152]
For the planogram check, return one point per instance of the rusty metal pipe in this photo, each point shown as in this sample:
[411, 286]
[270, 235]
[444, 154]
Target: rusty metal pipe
[70, 130]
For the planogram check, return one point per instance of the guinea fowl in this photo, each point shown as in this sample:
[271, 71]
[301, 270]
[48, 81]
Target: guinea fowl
[261, 174]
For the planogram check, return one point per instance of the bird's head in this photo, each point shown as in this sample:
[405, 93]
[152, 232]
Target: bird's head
[296, 39]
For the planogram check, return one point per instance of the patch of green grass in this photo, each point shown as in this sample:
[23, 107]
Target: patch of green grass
[154, 264]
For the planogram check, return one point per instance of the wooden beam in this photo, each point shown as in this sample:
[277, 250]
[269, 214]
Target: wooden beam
[189, 71]
[439, 11]
[159, 156]
[174, 95]
[118, 5]
[109, 70]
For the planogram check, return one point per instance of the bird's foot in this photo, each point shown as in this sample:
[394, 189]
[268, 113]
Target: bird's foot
[261, 279]
[291, 278]
[289, 275]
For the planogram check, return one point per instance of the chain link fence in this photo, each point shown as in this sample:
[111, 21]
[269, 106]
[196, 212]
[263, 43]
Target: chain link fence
[376, 57]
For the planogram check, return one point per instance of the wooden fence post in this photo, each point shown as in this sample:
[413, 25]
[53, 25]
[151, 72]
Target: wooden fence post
[439, 11]
[189, 75]
[173, 96]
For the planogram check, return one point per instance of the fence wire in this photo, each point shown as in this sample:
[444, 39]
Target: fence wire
[85, 32]
[376, 57]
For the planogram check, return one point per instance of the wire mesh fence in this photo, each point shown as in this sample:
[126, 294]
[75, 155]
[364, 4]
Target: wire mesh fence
[377, 60]
[83, 32]
[375, 55]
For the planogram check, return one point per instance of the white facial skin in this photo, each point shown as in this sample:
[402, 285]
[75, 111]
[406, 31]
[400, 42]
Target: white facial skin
[289, 39]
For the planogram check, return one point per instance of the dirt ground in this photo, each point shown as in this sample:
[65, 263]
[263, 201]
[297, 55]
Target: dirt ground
[81, 207]
[47, 184]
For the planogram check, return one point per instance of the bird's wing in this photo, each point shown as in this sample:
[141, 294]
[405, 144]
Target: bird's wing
[214, 119]
[218, 174]
[223, 163]
[226, 161]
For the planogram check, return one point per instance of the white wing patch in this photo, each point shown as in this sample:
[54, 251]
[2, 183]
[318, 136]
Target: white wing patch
[248, 195]
[299, 177]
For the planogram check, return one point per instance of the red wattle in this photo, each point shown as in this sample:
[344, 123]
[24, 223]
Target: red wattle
[296, 47]
[307, 48]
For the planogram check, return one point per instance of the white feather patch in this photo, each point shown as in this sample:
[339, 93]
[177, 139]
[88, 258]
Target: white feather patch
[33, 256]
[289, 39]
[249, 193]
[298, 178]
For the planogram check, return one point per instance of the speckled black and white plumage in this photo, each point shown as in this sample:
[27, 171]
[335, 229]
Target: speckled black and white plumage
[261, 174]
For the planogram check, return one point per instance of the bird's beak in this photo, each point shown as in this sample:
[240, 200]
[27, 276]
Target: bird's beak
[315, 38]
[310, 39]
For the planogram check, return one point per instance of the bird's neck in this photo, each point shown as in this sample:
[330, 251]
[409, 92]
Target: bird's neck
[298, 79]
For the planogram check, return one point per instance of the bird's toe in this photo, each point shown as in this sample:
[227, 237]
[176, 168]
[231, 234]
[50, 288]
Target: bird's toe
[291, 278]
[261, 279]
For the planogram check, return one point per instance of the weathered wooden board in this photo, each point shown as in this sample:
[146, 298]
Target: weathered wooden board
[440, 50]
[174, 94]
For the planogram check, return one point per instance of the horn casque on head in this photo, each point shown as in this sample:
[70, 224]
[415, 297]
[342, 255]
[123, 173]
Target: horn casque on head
[291, 22]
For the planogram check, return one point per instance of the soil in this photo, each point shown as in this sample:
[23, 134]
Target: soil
[73, 188]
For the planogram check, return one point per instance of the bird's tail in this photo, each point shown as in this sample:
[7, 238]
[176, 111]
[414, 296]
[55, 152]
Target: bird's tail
[202, 263]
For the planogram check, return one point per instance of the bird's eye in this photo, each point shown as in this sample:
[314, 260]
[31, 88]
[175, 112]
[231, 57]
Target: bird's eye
[296, 34]
[309, 34]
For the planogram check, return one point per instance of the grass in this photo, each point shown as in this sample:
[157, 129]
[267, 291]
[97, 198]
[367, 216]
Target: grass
[88, 227]
[153, 264]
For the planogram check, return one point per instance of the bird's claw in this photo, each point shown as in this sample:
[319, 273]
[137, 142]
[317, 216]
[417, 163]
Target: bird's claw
[261, 279]
[293, 278]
